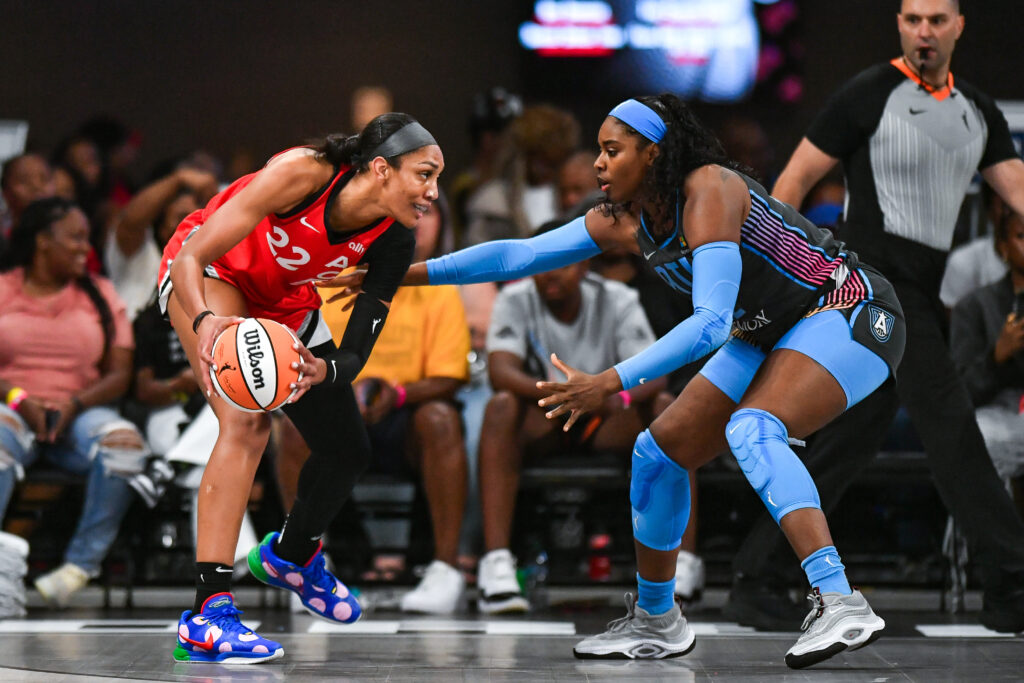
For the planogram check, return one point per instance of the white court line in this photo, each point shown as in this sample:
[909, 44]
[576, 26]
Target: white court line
[504, 628]
[530, 628]
[959, 631]
[359, 628]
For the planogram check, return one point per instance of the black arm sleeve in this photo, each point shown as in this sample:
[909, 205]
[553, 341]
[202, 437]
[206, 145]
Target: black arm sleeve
[388, 257]
[852, 113]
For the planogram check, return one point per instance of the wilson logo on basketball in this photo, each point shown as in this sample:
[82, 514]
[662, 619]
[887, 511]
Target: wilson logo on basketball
[255, 355]
[254, 365]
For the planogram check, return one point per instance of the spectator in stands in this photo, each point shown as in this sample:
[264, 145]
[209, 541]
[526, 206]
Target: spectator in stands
[23, 179]
[135, 245]
[577, 183]
[522, 195]
[491, 113]
[590, 323]
[65, 357]
[987, 345]
[405, 393]
[368, 102]
[976, 263]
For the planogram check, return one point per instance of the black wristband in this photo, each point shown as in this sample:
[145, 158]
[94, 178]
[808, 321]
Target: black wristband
[199, 319]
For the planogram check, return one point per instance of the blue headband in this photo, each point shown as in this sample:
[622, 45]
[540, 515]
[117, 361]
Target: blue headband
[640, 118]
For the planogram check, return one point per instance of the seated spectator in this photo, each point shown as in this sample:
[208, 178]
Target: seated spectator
[590, 323]
[987, 344]
[490, 113]
[65, 357]
[976, 263]
[135, 245]
[522, 194]
[405, 393]
[23, 180]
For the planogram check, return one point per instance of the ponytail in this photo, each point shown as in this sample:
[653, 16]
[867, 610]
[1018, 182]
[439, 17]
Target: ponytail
[358, 150]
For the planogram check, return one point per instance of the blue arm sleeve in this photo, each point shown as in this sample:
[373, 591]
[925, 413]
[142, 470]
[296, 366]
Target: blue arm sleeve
[513, 259]
[716, 283]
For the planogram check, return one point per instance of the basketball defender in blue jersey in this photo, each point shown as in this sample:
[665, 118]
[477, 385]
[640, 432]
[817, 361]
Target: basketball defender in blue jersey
[800, 330]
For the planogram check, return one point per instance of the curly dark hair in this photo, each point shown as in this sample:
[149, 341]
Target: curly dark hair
[686, 146]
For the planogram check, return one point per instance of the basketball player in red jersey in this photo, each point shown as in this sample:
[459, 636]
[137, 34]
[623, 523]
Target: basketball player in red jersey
[254, 251]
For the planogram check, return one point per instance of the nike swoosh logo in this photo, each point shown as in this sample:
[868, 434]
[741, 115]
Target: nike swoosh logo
[308, 224]
[335, 368]
[376, 321]
[915, 112]
[222, 571]
[205, 644]
[647, 257]
[734, 429]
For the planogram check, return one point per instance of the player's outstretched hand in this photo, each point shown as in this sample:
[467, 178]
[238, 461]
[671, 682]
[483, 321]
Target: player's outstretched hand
[350, 285]
[313, 371]
[210, 328]
[579, 394]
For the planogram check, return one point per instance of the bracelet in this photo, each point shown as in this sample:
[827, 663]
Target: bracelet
[401, 395]
[198, 319]
[15, 396]
[626, 399]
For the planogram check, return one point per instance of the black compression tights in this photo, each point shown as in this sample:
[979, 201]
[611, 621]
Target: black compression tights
[328, 419]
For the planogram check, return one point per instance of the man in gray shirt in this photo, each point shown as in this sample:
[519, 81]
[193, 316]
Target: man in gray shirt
[591, 324]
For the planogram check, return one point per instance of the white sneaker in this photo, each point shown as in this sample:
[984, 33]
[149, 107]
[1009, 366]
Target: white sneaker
[59, 585]
[499, 589]
[9, 543]
[438, 592]
[689, 576]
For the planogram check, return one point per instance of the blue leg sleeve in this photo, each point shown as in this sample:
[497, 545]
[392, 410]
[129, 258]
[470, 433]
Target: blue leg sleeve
[659, 492]
[760, 443]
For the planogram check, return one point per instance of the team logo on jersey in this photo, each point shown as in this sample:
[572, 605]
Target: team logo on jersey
[881, 323]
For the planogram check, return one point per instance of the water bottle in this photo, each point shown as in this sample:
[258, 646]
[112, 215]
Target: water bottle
[600, 565]
[538, 593]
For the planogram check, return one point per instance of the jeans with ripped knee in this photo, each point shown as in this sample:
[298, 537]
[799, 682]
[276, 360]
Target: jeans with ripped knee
[79, 450]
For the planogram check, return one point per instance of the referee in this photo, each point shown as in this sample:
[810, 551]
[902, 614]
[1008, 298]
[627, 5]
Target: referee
[910, 138]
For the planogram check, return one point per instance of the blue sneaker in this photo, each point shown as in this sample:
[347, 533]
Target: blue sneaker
[217, 635]
[322, 594]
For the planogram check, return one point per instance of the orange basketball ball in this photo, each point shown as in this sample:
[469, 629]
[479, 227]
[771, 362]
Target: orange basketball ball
[254, 365]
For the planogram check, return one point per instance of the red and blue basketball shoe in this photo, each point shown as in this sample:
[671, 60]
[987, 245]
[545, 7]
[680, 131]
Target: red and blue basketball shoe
[217, 635]
[322, 594]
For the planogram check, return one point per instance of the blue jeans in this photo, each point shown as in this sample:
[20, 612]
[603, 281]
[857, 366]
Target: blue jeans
[107, 493]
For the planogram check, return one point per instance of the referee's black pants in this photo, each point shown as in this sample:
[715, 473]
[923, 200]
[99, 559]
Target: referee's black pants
[941, 410]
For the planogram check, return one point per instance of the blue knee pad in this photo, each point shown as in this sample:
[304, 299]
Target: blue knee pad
[660, 494]
[760, 443]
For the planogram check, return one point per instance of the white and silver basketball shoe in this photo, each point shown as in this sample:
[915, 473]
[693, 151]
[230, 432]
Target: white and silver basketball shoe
[835, 623]
[639, 635]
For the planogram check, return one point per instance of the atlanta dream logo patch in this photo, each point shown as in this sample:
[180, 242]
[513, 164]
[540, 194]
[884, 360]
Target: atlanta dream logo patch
[881, 323]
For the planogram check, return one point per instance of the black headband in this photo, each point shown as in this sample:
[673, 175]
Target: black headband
[407, 138]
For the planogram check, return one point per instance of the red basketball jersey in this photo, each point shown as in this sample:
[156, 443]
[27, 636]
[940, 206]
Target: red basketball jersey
[275, 265]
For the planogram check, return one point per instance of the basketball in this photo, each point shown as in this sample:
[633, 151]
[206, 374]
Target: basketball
[254, 365]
